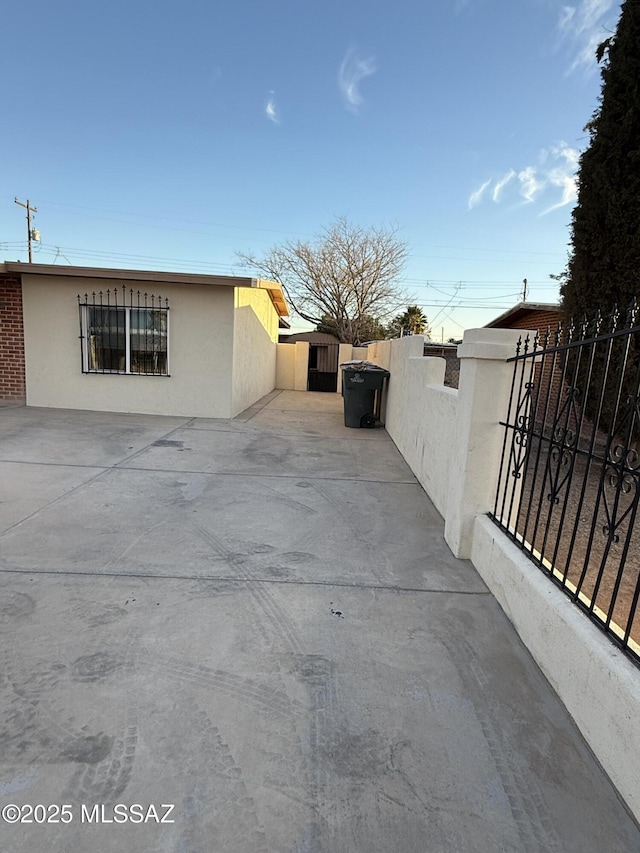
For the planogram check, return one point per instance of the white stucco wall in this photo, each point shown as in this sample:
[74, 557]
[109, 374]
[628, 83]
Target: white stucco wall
[285, 366]
[255, 344]
[435, 410]
[421, 413]
[451, 438]
[301, 374]
[201, 320]
[292, 366]
[380, 353]
[477, 437]
[598, 685]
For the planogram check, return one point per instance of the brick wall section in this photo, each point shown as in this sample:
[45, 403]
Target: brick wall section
[12, 364]
[547, 376]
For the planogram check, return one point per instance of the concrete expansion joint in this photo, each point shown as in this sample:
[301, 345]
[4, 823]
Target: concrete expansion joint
[248, 581]
[118, 466]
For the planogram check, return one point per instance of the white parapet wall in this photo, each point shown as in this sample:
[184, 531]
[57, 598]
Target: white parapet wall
[420, 415]
[598, 685]
[451, 438]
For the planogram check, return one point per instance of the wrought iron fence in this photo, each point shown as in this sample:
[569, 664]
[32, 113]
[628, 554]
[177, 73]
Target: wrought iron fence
[569, 482]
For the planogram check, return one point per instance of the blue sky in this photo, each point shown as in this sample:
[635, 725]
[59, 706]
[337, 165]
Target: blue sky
[167, 136]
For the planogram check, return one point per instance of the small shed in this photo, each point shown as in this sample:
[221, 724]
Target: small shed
[322, 372]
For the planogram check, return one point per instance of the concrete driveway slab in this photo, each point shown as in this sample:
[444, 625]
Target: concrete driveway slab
[288, 718]
[291, 659]
[92, 438]
[27, 488]
[204, 525]
[314, 423]
[256, 453]
[293, 401]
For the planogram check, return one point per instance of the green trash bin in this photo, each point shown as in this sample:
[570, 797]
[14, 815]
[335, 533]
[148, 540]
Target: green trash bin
[361, 390]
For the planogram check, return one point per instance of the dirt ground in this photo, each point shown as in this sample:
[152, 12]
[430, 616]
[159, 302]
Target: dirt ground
[569, 505]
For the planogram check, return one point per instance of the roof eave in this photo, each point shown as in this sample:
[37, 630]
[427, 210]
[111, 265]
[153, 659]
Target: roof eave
[161, 277]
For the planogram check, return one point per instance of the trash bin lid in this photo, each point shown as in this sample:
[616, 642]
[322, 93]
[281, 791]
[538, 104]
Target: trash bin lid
[360, 365]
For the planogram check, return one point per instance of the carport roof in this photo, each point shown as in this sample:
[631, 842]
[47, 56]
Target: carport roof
[274, 288]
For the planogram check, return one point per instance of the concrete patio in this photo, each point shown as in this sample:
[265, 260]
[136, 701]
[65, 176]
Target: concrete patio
[258, 622]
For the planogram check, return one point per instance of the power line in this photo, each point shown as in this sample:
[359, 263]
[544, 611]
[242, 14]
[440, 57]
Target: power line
[228, 225]
[425, 282]
[415, 283]
[120, 257]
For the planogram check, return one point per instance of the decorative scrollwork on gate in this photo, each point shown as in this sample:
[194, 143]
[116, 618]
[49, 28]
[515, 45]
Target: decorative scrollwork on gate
[521, 432]
[621, 489]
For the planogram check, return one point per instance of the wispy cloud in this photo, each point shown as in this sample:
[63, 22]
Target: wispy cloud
[583, 25]
[555, 170]
[530, 183]
[476, 197]
[569, 187]
[353, 70]
[501, 184]
[271, 111]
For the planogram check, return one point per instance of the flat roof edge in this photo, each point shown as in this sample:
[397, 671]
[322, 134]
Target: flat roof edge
[127, 274]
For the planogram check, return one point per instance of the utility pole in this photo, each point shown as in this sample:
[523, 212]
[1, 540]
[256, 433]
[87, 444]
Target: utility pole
[32, 233]
[524, 290]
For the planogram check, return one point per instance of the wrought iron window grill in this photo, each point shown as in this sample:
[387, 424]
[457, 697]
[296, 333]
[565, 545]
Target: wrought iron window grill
[124, 331]
[569, 482]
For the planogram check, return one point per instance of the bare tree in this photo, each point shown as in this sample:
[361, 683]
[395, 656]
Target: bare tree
[348, 274]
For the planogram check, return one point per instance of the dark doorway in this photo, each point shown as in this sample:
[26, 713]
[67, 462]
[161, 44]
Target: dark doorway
[323, 367]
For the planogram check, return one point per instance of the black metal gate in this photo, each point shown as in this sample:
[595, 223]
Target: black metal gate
[323, 367]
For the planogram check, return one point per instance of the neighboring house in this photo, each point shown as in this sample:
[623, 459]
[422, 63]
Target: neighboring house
[538, 316]
[543, 318]
[137, 341]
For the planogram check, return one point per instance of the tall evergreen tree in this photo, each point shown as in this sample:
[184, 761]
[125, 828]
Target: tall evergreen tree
[604, 265]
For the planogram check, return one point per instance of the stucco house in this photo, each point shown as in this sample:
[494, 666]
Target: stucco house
[136, 340]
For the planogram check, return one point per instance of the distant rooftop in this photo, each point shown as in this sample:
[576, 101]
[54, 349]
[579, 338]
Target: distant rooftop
[521, 310]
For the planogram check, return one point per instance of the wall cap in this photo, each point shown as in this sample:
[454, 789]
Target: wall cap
[492, 344]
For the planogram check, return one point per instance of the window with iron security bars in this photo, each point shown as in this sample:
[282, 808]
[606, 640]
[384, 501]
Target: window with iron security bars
[569, 484]
[124, 331]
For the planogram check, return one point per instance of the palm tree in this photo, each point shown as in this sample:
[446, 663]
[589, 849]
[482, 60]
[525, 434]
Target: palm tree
[412, 322]
[416, 320]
